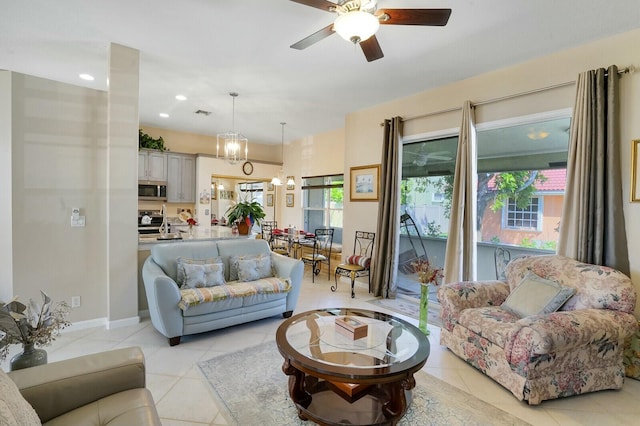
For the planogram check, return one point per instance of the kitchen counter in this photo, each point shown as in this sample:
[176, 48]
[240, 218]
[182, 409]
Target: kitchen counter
[145, 242]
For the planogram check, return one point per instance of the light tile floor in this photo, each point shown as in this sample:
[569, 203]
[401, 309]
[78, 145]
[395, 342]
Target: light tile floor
[184, 397]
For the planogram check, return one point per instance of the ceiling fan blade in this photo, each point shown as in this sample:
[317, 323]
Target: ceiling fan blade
[371, 49]
[318, 4]
[313, 38]
[432, 17]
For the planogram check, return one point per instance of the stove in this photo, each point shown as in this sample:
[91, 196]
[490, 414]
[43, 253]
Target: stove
[149, 221]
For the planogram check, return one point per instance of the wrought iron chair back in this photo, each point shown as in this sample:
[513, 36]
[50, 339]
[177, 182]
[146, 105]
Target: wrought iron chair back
[502, 258]
[359, 264]
[321, 254]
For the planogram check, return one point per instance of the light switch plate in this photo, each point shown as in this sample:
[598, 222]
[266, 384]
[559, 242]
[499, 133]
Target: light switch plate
[77, 222]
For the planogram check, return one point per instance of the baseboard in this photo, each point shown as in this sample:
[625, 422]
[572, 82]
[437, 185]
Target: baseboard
[125, 322]
[83, 325]
[143, 314]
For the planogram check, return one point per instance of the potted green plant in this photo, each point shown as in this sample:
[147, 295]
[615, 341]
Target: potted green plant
[245, 214]
[146, 141]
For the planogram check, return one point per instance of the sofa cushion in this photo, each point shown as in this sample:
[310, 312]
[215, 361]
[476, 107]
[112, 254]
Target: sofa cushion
[130, 407]
[262, 263]
[194, 296]
[493, 323]
[182, 261]
[363, 261]
[14, 409]
[205, 275]
[166, 255]
[536, 295]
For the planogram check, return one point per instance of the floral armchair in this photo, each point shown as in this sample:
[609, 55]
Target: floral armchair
[565, 349]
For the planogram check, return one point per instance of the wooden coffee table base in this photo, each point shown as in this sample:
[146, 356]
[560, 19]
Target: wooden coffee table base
[326, 401]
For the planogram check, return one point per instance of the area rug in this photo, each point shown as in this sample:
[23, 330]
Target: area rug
[252, 390]
[409, 306]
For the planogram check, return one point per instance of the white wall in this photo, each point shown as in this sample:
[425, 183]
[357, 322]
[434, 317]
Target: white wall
[6, 213]
[316, 155]
[58, 161]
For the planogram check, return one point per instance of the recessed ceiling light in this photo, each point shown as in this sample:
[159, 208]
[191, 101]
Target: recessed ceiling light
[164, 115]
[181, 97]
[87, 77]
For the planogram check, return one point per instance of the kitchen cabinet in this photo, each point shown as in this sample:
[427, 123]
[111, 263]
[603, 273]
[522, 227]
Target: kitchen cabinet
[152, 165]
[181, 178]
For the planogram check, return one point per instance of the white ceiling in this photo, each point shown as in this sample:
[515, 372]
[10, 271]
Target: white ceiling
[205, 49]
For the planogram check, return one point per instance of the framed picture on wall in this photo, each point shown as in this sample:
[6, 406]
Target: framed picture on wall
[365, 183]
[635, 172]
[270, 186]
[214, 191]
[289, 200]
[269, 200]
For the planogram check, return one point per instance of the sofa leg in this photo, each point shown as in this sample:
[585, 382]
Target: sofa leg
[287, 314]
[174, 341]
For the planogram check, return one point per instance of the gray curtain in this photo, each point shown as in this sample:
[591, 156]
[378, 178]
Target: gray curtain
[461, 252]
[385, 268]
[593, 228]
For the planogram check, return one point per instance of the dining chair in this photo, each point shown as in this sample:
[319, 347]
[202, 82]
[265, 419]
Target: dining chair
[322, 242]
[359, 263]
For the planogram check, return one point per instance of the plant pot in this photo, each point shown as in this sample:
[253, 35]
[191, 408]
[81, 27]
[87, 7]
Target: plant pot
[243, 228]
[29, 357]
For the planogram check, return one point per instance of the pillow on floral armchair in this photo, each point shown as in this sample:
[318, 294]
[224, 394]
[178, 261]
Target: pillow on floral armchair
[631, 356]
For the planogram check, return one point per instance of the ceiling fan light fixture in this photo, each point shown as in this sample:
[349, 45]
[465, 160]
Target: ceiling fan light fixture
[356, 26]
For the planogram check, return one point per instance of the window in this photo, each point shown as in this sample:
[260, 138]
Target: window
[526, 218]
[521, 182]
[322, 203]
[515, 162]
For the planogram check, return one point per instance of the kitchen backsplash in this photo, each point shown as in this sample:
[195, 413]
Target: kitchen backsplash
[172, 208]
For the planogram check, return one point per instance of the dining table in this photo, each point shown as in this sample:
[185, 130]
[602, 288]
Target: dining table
[294, 240]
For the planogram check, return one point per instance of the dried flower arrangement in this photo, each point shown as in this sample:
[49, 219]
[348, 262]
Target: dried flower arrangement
[427, 273]
[33, 324]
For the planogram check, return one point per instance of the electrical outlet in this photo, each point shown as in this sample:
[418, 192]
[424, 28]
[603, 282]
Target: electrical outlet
[75, 302]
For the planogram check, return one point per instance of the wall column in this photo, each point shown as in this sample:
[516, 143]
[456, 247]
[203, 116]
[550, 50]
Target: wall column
[122, 178]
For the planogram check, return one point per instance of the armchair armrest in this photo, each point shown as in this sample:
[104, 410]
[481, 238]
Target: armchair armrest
[287, 267]
[59, 387]
[163, 296]
[456, 297]
[565, 330]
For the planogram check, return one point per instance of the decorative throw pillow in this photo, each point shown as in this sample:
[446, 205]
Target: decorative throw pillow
[535, 295]
[14, 409]
[363, 261]
[264, 265]
[248, 270]
[181, 261]
[207, 275]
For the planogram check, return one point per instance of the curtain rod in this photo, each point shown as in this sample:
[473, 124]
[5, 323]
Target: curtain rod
[627, 70]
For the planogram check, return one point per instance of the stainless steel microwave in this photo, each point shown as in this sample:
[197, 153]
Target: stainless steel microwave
[152, 191]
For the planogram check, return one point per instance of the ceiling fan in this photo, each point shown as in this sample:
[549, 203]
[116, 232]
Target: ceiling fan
[358, 21]
[422, 158]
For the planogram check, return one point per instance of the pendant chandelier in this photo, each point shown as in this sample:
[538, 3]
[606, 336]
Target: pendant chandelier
[279, 179]
[234, 145]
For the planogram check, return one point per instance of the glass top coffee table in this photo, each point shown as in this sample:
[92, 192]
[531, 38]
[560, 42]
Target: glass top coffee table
[351, 366]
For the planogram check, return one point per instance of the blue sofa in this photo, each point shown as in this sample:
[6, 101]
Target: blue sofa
[173, 319]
